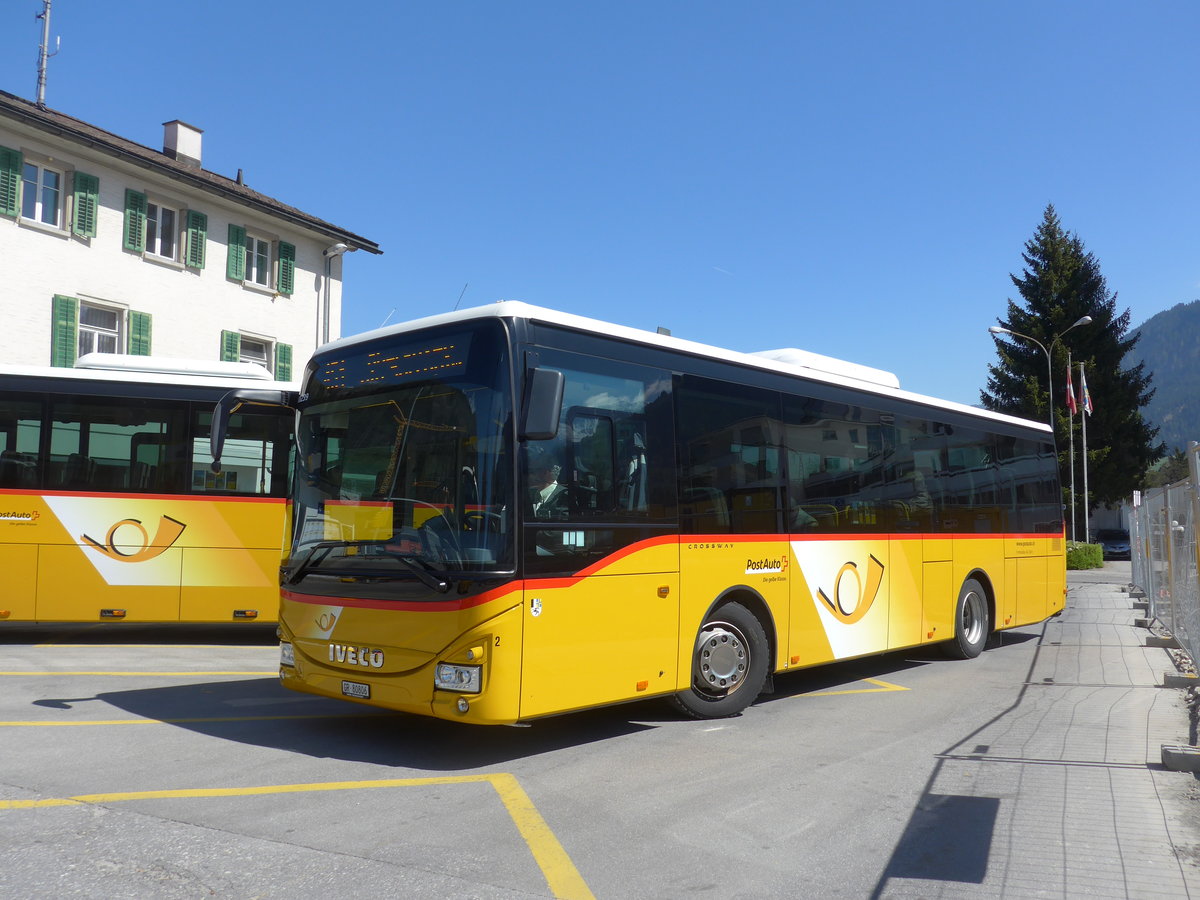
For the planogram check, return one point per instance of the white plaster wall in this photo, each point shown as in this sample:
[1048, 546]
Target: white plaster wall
[190, 307]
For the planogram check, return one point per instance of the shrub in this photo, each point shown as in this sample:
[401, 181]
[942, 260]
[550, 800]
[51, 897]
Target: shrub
[1084, 556]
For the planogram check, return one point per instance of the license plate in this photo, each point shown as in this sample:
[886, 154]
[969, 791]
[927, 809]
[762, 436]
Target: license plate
[356, 689]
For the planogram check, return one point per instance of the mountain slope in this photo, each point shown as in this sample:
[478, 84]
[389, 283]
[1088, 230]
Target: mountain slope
[1170, 347]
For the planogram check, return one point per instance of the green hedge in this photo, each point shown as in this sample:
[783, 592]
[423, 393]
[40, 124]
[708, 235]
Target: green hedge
[1084, 556]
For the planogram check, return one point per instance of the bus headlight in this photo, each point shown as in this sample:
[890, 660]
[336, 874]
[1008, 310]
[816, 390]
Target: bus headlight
[464, 679]
[287, 656]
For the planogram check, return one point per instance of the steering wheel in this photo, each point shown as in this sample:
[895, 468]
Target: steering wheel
[478, 520]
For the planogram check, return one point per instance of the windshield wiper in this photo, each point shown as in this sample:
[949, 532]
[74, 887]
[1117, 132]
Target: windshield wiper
[426, 574]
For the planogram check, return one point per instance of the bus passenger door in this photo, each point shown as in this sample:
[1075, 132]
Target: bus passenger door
[607, 636]
[599, 544]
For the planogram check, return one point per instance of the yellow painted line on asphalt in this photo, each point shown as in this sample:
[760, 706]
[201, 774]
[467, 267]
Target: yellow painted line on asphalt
[560, 873]
[882, 687]
[119, 646]
[33, 723]
[271, 672]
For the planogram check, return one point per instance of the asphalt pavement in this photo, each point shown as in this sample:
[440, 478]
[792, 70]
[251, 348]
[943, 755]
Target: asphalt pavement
[1089, 808]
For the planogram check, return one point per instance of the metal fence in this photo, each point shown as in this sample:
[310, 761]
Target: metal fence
[1163, 551]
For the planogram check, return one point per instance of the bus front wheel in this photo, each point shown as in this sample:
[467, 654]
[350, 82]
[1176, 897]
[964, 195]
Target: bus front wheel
[971, 622]
[729, 664]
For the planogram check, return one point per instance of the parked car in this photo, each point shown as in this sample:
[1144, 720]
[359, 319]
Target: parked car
[1115, 543]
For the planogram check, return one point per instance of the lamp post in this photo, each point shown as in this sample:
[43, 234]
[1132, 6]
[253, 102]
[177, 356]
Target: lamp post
[1082, 320]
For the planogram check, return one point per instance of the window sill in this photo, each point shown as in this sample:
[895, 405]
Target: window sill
[43, 227]
[260, 289]
[163, 261]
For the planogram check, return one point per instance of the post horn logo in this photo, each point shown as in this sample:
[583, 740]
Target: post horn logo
[850, 604]
[168, 533]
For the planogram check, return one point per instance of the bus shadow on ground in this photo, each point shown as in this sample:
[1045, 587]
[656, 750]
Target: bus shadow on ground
[262, 713]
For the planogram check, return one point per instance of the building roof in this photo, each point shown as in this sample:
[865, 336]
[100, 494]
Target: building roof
[69, 128]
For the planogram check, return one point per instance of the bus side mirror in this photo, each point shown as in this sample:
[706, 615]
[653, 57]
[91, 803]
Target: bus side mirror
[543, 404]
[234, 401]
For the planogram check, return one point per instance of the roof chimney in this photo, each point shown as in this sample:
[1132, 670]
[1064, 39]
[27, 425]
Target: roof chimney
[181, 142]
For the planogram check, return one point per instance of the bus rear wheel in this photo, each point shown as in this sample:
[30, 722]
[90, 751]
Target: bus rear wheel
[729, 664]
[971, 622]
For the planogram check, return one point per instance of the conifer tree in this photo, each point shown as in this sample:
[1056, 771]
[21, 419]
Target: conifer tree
[1060, 284]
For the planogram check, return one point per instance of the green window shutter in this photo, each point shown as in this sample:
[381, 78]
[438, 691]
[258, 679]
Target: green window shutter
[231, 346]
[283, 362]
[139, 333]
[195, 239]
[235, 261]
[10, 182]
[64, 327]
[287, 268]
[86, 206]
[135, 221]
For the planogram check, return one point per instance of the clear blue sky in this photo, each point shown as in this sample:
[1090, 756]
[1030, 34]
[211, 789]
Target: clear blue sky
[855, 179]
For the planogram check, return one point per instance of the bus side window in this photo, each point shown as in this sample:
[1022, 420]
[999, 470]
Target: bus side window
[591, 451]
[20, 436]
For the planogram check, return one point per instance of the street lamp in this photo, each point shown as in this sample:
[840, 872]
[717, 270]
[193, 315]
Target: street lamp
[1082, 320]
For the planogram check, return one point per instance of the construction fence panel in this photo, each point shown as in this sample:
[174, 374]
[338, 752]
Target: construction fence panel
[1163, 535]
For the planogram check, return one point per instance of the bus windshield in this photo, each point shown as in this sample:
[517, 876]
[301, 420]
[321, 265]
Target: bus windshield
[404, 472]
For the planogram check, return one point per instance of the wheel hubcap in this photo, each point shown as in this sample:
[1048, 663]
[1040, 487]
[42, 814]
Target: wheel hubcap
[722, 657]
[973, 615]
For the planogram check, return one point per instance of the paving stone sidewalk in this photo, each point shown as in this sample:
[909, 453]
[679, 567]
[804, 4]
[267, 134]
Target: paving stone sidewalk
[1078, 801]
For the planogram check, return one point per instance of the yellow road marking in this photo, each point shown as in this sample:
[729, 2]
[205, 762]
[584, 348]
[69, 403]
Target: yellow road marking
[883, 688]
[271, 672]
[33, 723]
[560, 873]
[113, 644]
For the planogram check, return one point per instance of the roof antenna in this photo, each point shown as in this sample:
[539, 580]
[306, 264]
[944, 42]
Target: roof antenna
[460, 296]
[44, 52]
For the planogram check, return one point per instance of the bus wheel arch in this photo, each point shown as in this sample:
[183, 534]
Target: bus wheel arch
[974, 617]
[730, 663]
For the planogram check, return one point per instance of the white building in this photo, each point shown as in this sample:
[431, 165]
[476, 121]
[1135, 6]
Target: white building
[107, 245]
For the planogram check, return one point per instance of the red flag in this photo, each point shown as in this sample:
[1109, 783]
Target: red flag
[1071, 404]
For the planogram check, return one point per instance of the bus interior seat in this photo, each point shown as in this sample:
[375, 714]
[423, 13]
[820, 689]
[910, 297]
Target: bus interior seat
[707, 509]
[141, 476]
[17, 469]
[78, 472]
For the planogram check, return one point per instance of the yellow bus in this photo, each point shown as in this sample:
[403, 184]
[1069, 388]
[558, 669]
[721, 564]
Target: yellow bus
[509, 512]
[109, 508]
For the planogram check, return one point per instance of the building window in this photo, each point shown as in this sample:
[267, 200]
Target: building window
[252, 351]
[162, 230]
[236, 347]
[99, 329]
[41, 199]
[258, 260]
[81, 326]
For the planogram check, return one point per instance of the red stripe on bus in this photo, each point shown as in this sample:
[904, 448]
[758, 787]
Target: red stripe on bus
[406, 605]
[222, 498]
[565, 581]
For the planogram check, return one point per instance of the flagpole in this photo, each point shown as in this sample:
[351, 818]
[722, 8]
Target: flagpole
[1087, 411]
[1071, 433]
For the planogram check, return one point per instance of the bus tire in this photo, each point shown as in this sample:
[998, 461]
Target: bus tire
[729, 664]
[971, 622]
